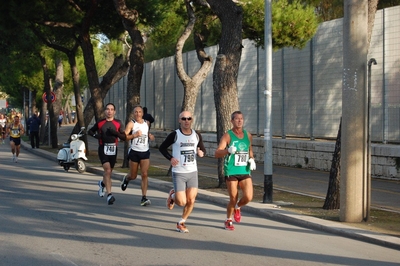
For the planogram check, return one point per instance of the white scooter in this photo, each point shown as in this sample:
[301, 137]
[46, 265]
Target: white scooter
[73, 153]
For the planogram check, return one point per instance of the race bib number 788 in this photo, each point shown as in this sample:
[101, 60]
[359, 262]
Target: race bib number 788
[241, 158]
[188, 157]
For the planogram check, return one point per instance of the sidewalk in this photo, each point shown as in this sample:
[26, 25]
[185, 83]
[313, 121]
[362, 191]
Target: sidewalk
[302, 181]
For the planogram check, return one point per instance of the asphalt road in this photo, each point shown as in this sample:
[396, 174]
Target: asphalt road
[50, 217]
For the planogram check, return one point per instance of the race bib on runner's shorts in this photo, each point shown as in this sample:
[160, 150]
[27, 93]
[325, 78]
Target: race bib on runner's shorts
[110, 149]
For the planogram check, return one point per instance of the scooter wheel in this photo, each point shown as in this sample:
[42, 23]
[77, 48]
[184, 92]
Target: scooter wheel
[66, 168]
[80, 165]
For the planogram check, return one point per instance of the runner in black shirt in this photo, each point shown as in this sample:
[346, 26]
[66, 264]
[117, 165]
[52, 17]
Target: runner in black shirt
[107, 131]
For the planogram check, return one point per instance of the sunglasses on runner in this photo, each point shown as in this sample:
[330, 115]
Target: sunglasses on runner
[186, 118]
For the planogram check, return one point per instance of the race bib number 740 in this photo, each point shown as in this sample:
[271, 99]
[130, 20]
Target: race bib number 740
[110, 149]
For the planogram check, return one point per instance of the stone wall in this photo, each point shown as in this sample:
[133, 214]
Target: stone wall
[385, 161]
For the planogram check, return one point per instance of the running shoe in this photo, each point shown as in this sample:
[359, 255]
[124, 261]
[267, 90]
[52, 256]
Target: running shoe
[110, 199]
[124, 183]
[237, 216]
[170, 201]
[145, 201]
[102, 190]
[229, 225]
[181, 227]
[16, 159]
[13, 158]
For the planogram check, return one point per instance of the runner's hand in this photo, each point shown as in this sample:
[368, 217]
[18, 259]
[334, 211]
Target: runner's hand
[252, 164]
[200, 153]
[138, 133]
[232, 149]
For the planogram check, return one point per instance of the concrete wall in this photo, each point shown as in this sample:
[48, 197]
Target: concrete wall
[308, 154]
[306, 86]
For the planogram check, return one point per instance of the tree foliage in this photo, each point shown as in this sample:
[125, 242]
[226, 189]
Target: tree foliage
[293, 23]
[22, 52]
[161, 40]
[333, 9]
[18, 56]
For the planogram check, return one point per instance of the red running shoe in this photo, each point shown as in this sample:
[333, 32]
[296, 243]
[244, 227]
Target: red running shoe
[181, 227]
[170, 201]
[229, 225]
[237, 216]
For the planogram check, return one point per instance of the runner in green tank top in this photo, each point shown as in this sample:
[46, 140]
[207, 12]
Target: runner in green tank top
[236, 147]
[236, 163]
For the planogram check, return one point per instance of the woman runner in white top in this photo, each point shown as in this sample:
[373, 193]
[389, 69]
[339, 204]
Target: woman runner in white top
[3, 123]
[137, 131]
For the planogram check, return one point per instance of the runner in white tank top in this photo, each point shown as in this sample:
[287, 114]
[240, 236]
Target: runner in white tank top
[137, 131]
[186, 144]
[184, 149]
[140, 143]
[3, 123]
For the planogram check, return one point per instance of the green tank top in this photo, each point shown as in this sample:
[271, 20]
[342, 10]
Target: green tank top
[237, 164]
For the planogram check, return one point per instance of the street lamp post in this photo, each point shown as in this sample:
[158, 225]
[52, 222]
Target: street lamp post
[367, 206]
[268, 184]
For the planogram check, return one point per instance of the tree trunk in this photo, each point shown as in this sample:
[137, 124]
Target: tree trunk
[332, 200]
[226, 67]
[191, 85]
[372, 7]
[92, 75]
[136, 59]
[47, 90]
[78, 100]
[33, 99]
[55, 107]
[118, 70]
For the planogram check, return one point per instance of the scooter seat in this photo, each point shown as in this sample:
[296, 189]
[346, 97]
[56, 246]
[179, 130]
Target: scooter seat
[66, 145]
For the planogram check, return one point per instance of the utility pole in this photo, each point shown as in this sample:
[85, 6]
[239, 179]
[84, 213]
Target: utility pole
[354, 111]
[367, 205]
[268, 184]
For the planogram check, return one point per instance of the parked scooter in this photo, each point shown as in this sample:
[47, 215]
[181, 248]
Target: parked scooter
[73, 153]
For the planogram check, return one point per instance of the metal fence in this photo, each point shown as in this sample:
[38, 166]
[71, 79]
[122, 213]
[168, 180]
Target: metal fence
[307, 86]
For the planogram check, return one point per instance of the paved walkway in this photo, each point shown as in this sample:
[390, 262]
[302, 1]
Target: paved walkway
[385, 193]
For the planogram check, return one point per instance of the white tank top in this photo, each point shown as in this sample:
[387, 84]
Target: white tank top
[185, 149]
[140, 143]
[3, 122]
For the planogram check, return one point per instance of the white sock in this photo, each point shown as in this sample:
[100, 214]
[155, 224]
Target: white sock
[237, 207]
[182, 221]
